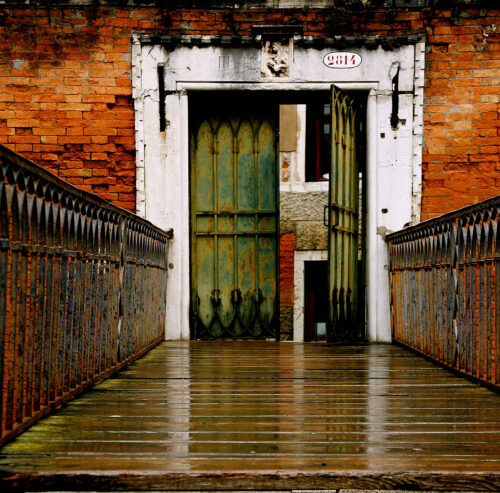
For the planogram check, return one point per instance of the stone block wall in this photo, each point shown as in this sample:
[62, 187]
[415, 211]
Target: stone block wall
[302, 214]
[302, 229]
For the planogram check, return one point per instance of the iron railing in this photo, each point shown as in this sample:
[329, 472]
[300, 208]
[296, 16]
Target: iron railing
[445, 289]
[82, 290]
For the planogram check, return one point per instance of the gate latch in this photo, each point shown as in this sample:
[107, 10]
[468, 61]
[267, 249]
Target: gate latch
[335, 216]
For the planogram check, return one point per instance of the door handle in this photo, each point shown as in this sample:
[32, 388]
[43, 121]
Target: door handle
[325, 216]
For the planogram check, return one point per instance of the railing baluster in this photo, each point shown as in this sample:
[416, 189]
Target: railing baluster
[488, 288]
[11, 332]
[480, 319]
[22, 300]
[496, 287]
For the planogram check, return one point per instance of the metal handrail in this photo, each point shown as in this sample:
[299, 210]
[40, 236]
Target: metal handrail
[445, 289]
[82, 290]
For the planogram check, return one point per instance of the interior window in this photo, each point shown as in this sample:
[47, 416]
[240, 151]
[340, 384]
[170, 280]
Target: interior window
[318, 141]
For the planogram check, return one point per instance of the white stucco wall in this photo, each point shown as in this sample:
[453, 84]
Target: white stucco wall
[394, 163]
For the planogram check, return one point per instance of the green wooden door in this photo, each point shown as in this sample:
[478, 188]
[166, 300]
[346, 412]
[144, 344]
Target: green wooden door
[234, 242]
[343, 220]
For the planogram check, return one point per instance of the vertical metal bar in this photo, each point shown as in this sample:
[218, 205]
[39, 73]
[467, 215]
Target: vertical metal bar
[451, 285]
[496, 295]
[86, 296]
[458, 319]
[442, 306]
[100, 294]
[94, 303]
[105, 328]
[470, 340]
[4, 289]
[40, 298]
[115, 292]
[53, 375]
[31, 317]
[22, 338]
[487, 293]
[408, 299]
[429, 244]
[431, 267]
[80, 278]
[71, 301]
[482, 329]
[48, 302]
[125, 288]
[420, 312]
[70, 320]
[435, 291]
[464, 291]
[415, 294]
[476, 340]
[10, 333]
[63, 301]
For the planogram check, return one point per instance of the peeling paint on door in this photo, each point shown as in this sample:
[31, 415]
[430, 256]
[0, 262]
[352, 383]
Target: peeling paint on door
[234, 222]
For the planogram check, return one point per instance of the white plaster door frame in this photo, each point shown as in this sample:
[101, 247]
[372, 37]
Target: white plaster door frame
[393, 155]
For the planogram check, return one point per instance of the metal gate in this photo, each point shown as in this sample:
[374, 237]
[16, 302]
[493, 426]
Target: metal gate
[343, 215]
[234, 242]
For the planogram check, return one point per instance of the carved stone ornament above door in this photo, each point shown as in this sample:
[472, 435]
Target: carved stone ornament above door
[277, 56]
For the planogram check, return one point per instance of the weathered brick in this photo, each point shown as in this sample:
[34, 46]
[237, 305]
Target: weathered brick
[74, 140]
[101, 172]
[23, 139]
[99, 156]
[287, 247]
[49, 130]
[99, 139]
[76, 172]
[100, 180]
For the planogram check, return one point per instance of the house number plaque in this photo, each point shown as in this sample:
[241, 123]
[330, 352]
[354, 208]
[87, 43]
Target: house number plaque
[342, 60]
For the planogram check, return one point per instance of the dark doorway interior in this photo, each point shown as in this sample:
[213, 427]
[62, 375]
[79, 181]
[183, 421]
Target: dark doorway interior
[315, 300]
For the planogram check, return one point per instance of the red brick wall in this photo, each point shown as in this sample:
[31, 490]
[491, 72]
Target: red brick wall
[462, 126]
[65, 96]
[65, 88]
[287, 247]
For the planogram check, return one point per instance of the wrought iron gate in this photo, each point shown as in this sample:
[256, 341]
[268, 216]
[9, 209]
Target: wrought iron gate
[343, 215]
[234, 261]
